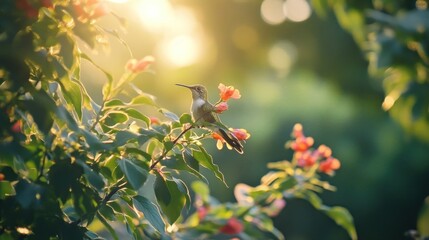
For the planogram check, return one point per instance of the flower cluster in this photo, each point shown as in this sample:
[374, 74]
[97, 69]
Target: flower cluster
[307, 157]
[225, 93]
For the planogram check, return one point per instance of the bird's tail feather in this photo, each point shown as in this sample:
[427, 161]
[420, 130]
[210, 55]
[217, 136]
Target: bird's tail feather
[232, 141]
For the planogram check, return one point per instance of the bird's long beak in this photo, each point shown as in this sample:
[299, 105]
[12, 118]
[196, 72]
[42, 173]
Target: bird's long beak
[183, 85]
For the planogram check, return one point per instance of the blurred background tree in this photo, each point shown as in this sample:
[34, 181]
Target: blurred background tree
[293, 65]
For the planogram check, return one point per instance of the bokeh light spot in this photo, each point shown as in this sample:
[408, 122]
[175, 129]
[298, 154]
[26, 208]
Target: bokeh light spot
[297, 10]
[281, 56]
[272, 11]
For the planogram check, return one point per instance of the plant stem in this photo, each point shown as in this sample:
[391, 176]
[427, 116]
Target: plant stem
[164, 153]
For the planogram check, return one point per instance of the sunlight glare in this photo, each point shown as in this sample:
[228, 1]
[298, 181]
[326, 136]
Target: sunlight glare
[272, 11]
[297, 10]
[181, 50]
[154, 14]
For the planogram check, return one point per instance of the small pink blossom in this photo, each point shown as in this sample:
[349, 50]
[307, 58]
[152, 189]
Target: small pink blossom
[221, 107]
[227, 92]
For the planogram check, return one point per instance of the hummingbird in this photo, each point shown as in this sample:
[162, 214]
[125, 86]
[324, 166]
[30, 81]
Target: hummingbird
[203, 111]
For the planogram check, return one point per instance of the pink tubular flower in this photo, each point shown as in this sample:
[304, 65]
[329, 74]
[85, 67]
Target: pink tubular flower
[154, 121]
[202, 212]
[240, 134]
[137, 66]
[227, 92]
[297, 131]
[232, 226]
[221, 107]
[329, 165]
[275, 207]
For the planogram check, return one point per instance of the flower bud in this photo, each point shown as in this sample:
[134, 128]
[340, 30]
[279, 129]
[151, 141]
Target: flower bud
[232, 226]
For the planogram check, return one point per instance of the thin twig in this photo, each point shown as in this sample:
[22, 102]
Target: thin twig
[174, 143]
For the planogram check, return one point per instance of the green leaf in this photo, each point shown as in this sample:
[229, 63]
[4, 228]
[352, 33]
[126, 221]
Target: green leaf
[343, 218]
[41, 108]
[169, 114]
[286, 184]
[114, 102]
[135, 174]
[94, 178]
[108, 226]
[115, 117]
[122, 137]
[206, 161]
[178, 162]
[185, 118]
[201, 189]
[6, 189]
[423, 219]
[170, 198]
[72, 93]
[137, 115]
[340, 215]
[144, 99]
[150, 211]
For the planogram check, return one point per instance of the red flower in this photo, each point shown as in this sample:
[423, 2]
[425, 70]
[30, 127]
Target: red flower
[329, 165]
[29, 10]
[232, 226]
[2, 177]
[227, 92]
[302, 144]
[307, 158]
[99, 11]
[137, 66]
[16, 127]
[324, 150]
[221, 107]
[240, 134]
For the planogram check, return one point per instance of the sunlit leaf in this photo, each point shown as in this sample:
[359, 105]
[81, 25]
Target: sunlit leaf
[144, 99]
[115, 117]
[343, 218]
[185, 118]
[6, 189]
[201, 189]
[169, 115]
[114, 102]
[150, 211]
[72, 93]
[207, 161]
[135, 174]
[138, 115]
[423, 219]
[178, 162]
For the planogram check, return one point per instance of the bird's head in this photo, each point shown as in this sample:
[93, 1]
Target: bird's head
[198, 91]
